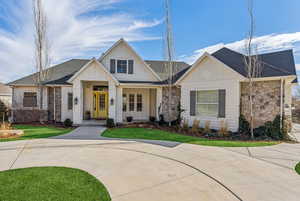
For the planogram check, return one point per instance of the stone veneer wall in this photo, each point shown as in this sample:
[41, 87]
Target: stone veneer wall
[175, 100]
[266, 101]
[29, 115]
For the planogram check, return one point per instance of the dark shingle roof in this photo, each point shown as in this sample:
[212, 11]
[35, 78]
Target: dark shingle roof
[61, 73]
[272, 64]
[160, 67]
[57, 74]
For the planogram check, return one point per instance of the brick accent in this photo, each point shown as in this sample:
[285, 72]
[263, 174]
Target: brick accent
[29, 115]
[175, 100]
[266, 101]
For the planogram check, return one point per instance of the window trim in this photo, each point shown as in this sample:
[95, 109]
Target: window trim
[130, 109]
[35, 103]
[141, 102]
[207, 103]
[70, 101]
[126, 67]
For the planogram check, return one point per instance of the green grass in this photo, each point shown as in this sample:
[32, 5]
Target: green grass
[33, 132]
[51, 184]
[297, 168]
[154, 134]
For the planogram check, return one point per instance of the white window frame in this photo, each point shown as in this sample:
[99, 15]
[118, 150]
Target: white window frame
[117, 69]
[207, 103]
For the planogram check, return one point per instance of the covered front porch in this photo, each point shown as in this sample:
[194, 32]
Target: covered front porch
[138, 103]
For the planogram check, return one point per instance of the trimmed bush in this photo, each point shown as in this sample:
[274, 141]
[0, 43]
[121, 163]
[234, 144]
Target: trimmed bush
[152, 119]
[110, 123]
[244, 126]
[68, 123]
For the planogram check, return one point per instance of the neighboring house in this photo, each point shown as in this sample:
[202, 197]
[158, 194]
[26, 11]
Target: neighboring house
[121, 84]
[5, 97]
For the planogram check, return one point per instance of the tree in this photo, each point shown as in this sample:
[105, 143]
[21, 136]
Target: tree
[42, 59]
[252, 64]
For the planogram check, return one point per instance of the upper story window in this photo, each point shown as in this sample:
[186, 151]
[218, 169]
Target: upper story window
[30, 99]
[122, 66]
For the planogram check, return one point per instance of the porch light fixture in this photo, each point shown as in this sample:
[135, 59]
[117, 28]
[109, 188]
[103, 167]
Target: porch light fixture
[112, 101]
[76, 101]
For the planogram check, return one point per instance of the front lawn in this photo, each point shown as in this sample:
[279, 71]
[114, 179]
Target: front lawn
[33, 132]
[51, 184]
[155, 134]
[297, 168]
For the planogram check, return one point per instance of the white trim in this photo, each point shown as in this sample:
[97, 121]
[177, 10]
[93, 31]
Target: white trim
[200, 59]
[138, 56]
[86, 66]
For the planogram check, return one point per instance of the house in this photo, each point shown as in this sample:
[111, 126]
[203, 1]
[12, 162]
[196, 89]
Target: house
[5, 97]
[121, 84]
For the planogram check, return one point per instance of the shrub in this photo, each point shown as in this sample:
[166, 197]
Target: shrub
[195, 127]
[129, 119]
[207, 127]
[5, 126]
[161, 121]
[110, 123]
[185, 125]
[152, 119]
[223, 131]
[68, 123]
[244, 125]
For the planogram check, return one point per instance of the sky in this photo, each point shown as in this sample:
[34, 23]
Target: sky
[86, 28]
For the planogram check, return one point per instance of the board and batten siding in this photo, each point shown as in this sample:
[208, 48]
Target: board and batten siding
[210, 74]
[122, 52]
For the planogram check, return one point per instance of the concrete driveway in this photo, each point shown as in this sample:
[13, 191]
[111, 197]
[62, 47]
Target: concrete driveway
[136, 171]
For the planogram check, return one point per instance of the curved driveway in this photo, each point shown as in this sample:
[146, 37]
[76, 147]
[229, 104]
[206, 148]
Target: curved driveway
[135, 171]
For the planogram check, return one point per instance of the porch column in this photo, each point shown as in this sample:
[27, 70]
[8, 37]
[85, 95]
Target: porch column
[112, 100]
[158, 101]
[119, 102]
[78, 102]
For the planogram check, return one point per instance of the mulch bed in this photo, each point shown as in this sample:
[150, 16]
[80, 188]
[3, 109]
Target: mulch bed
[213, 135]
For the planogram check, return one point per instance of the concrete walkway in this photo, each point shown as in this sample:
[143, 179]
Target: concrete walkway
[94, 133]
[134, 171]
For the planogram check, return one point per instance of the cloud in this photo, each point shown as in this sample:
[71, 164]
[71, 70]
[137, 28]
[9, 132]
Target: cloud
[266, 43]
[74, 31]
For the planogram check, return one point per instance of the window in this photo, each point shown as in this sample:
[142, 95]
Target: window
[207, 103]
[122, 66]
[131, 102]
[139, 102]
[124, 102]
[70, 101]
[30, 99]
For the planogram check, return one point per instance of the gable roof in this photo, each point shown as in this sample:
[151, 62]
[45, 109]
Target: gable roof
[129, 47]
[273, 64]
[4, 89]
[87, 65]
[57, 74]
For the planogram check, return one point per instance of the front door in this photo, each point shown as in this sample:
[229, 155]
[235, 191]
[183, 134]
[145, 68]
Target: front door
[100, 104]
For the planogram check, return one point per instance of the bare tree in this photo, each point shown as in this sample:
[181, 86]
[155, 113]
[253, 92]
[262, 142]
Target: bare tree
[252, 64]
[42, 59]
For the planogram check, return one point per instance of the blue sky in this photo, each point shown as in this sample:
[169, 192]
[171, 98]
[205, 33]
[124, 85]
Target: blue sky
[89, 27]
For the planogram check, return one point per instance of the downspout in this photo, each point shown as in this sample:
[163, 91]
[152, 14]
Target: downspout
[281, 102]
